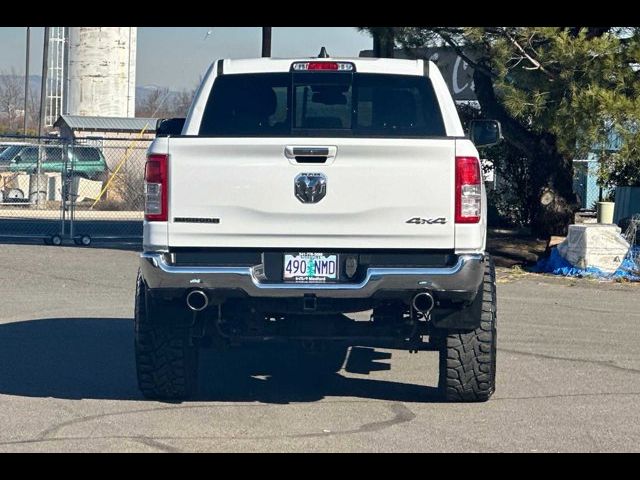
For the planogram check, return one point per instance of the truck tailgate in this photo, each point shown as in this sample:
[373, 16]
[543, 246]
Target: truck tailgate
[239, 192]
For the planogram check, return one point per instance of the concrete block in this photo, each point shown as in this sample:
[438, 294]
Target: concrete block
[85, 188]
[22, 182]
[594, 245]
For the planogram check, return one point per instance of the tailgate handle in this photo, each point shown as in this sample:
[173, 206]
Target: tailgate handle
[310, 154]
[311, 159]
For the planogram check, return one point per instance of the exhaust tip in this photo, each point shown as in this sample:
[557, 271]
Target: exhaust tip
[197, 300]
[423, 302]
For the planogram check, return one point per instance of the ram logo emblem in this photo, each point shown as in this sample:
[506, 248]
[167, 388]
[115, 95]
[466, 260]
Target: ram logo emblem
[310, 187]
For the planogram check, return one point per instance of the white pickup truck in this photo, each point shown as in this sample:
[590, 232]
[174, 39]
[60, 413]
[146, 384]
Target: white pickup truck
[298, 192]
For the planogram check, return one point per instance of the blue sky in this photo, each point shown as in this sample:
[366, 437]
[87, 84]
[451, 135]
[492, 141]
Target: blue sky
[175, 57]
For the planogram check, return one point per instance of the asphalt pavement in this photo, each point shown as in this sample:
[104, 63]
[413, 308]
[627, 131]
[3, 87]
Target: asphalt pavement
[568, 375]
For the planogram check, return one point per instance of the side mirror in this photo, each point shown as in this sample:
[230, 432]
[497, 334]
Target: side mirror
[485, 132]
[169, 126]
[17, 159]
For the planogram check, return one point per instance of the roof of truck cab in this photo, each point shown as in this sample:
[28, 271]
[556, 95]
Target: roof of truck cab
[366, 65]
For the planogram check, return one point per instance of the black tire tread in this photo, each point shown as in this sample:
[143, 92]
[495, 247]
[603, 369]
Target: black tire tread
[166, 361]
[468, 358]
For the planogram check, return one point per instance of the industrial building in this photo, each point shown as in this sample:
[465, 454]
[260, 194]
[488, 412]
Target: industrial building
[118, 137]
[74, 127]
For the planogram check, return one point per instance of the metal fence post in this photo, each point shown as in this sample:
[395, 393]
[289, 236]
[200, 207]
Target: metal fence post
[72, 194]
[63, 186]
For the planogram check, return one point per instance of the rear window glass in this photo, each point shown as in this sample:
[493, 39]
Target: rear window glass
[87, 154]
[247, 105]
[323, 101]
[53, 154]
[29, 154]
[322, 104]
[10, 152]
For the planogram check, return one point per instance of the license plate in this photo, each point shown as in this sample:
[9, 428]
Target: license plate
[310, 267]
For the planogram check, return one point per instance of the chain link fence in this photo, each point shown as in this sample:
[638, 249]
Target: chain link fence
[82, 190]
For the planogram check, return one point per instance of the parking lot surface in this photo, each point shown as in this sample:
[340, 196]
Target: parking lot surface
[568, 375]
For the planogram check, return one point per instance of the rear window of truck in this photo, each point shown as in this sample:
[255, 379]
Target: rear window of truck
[322, 104]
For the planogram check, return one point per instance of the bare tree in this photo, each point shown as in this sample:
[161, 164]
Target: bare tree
[164, 103]
[182, 102]
[11, 98]
[156, 104]
[33, 109]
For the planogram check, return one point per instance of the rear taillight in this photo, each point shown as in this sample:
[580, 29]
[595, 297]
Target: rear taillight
[156, 177]
[468, 190]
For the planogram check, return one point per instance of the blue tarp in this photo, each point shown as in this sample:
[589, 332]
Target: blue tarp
[559, 266]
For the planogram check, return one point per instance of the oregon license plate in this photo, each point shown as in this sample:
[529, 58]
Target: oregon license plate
[310, 267]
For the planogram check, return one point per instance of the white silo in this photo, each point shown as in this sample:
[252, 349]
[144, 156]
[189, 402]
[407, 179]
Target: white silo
[102, 71]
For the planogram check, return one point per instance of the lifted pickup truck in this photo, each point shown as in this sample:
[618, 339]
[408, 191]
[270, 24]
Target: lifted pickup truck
[297, 192]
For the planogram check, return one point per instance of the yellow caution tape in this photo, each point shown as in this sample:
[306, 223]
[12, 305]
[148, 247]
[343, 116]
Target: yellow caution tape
[115, 172]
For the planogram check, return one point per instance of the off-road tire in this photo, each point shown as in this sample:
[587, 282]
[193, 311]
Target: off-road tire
[166, 359]
[468, 357]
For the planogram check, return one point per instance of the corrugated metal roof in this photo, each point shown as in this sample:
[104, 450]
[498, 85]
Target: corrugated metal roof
[112, 124]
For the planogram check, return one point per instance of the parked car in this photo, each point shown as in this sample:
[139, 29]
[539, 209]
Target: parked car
[6, 145]
[84, 161]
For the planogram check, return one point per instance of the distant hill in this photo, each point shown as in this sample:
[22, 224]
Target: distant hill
[142, 91]
[34, 81]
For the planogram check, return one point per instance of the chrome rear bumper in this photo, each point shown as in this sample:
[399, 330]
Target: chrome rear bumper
[464, 277]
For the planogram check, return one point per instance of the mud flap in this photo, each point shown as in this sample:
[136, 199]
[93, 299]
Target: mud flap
[465, 317]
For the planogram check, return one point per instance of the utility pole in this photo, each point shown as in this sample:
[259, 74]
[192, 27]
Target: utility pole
[26, 80]
[43, 95]
[43, 85]
[266, 41]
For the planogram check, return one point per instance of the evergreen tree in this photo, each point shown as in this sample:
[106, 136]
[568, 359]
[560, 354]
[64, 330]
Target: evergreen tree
[559, 93]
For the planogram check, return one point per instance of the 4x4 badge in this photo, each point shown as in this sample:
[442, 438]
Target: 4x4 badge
[427, 221]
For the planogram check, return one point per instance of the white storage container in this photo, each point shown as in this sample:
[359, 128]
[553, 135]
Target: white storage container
[594, 245]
